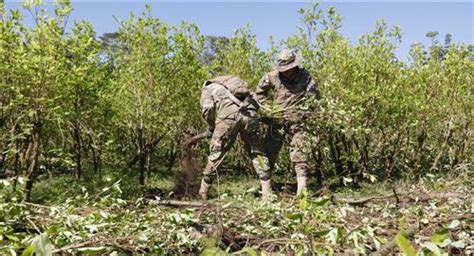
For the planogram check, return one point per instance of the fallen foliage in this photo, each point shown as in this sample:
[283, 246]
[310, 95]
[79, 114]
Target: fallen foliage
[421, 219]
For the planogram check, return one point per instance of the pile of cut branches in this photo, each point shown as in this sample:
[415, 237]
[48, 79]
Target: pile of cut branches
[418, 220]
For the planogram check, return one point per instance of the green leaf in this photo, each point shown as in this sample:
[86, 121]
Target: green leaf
[303, 204]
[458, 244]
[43, 245]
[405, 245]
[29, 251]
[300, 252]
[303, 194]
[213, 252]
[430, 247]
[439, 236]
[251, 251]
[12, 238]
[333, 235]
[40, 246]
[4, 183]
[321, 202]
[321, 233]
[346, 180]
[295, 216]
[454, 224]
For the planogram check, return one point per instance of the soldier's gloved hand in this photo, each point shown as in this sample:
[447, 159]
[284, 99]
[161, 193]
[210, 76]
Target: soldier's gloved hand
[210, 131]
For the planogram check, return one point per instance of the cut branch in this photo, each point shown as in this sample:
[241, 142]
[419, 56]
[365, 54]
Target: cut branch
[398, 198]
[179, 203]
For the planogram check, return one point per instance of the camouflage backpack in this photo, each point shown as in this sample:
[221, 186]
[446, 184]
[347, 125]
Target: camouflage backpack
[233, 84]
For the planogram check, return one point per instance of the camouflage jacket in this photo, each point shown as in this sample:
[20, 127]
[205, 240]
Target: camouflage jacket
[218, 103]
[288, 95]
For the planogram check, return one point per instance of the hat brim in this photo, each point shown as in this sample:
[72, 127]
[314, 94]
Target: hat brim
[289, 66]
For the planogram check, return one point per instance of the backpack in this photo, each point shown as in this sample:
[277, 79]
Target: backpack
[233, 84]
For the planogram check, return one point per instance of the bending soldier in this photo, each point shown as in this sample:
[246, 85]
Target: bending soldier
[229, 109]
[287, 87]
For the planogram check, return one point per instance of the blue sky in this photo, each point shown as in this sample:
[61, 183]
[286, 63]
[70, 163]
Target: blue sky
[280, 18]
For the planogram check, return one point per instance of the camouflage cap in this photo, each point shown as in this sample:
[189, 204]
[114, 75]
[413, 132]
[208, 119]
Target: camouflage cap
[234, 84]
[287, 60]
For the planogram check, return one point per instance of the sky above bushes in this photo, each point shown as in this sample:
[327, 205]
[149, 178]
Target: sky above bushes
[280, 19]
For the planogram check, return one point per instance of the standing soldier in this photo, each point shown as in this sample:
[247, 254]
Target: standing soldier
[287, 87]
[229, 109]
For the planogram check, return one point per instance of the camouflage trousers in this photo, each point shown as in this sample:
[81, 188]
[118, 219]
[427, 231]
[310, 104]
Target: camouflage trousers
[273, 142]
[223, 138]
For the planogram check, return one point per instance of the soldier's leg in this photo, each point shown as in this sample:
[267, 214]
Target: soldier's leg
[299, 158]
[222, 140]
[253, 141]
[261, 165]
[272, 143]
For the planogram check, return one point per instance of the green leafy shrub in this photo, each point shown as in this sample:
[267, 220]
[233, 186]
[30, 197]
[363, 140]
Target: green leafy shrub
[72, 104]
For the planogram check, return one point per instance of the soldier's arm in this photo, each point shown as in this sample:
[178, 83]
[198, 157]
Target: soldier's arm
[208, 107]
[252, 101]
[313, 93]
[263, 89]
[312, 87]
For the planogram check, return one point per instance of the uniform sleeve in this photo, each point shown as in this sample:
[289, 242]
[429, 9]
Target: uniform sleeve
[208, 108]
[251, 100]
[263, 89]
[312, 87]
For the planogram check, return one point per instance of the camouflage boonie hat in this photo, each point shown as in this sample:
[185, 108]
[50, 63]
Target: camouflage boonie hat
[287, 60]
[236, 86]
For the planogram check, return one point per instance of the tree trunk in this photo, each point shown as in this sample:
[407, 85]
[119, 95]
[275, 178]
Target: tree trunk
[172, 155]
[141, 167]
[32, 170]
[141, 157]
[16, 165]
[335, 155]
[96, 149]
[351, 168]
[3, 156]
[99, 158]
[94, 159]
[76, 135]
[147, 165]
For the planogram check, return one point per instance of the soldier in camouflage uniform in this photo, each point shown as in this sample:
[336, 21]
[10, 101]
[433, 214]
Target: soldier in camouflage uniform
[287, 87]
[230, 109]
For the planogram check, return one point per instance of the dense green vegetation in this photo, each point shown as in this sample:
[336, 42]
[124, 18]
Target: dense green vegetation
[90, 125]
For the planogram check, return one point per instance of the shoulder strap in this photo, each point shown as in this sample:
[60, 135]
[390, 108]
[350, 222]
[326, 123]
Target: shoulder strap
[232, 97]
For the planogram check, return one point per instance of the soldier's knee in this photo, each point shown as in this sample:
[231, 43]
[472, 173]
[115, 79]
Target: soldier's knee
[214, 155]
[210, 169]
[297, 156]
[208, 179]
[264, 176]
[261, 162]
[301, 169]
[262, 166]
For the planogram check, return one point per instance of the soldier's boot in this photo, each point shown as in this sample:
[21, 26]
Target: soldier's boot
[301, 184]
[204, 189]
[266, 189]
